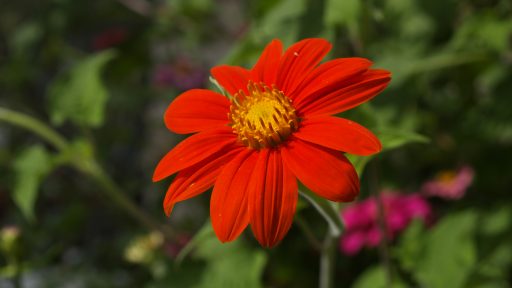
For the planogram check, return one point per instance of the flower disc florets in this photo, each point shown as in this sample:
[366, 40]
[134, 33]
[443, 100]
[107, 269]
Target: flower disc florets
[263, 118]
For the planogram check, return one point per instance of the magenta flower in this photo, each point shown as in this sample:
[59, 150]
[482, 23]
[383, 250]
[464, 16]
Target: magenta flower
[450, 185]
[182, 74]
[361, 219]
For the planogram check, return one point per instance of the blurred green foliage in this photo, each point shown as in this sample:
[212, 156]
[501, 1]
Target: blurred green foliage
[89, 69]
[30, 168]
[79, 95]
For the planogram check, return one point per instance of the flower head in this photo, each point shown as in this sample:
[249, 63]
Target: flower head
[274, 129]
[361, 219]
[451, 185]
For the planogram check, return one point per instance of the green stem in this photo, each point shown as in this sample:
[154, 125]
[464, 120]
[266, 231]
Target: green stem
[303, 225]
[87, 166]
[381, 219]
[328, 260]
[115, 193]
[35, 126]
[330, 212]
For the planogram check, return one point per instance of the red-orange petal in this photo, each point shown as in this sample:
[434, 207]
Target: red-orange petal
[330, 76]
[232, 78]
[298, 61]
[192, 150]
[339, 134]
[265, 70]
[229, 208]
[363, 89]
[198, 178]
[324, 171]
[272, 198]
[197, 110]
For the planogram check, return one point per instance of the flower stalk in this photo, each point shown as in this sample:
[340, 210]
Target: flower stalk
[328, 259]
[35, 126]
[381, 219]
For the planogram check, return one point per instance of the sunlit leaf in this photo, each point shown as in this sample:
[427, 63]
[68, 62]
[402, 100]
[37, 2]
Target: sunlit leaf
[240, 268]
[30, 167]
[203, 235]
[282, 21]
[450, 253]
[224, 258]
[79, 95]
[410, 248]
[343, 12]
[375, 277]
[230, 264]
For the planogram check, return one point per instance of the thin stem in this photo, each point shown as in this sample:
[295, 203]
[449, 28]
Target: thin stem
[35, 126]
[381, 219]
[88, 166]
[303, 225]
[116, 194]
[328, 260]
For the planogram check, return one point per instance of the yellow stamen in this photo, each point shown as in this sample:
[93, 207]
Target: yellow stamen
[446, 176]
[264, 118]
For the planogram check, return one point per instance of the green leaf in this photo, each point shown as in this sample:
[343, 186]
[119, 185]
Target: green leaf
[79, 95]
[450, 253]
[483, 32]
[203, 235]
[228, 264]
[390, 139]
[497, 221]
[495, 250]
[283, 21]
[409, 248]
[30, 167]
[327, 209]
[240, 268]
[25, 37]
[343, 12]
[375, 277]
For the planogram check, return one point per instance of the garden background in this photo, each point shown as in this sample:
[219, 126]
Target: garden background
[83, 89]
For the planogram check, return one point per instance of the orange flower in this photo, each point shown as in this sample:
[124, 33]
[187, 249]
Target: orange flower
[276, 128]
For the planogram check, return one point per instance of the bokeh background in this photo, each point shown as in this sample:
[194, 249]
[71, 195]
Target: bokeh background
[80, 210]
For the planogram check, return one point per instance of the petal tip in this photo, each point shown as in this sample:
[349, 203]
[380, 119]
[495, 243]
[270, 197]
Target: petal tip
[168, 209]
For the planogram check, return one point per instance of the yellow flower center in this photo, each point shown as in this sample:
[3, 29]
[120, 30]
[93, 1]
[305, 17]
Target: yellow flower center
[264, 118]
[446, 176]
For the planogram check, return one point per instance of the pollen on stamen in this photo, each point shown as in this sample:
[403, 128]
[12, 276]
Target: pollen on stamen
[262, 118]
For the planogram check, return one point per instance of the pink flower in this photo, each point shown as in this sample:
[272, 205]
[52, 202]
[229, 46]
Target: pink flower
[352, 242]
[361, 219]
[450, 185]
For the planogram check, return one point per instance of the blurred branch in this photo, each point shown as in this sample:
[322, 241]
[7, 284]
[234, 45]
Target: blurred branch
[88, 166]
[381, 219]
[115, 193]
[328, 259]
[326, 209]
[303, 225]
[331, 214]
[35, 126]
[141, 7]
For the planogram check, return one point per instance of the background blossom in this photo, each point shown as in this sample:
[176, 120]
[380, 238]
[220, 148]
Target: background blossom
[361, 219]
[450, 185]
